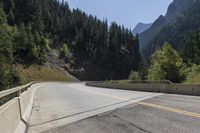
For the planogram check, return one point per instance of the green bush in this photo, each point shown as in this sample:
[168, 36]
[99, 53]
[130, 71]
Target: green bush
[65, 50]
[9, 77]
[66, 54]
[135, 76]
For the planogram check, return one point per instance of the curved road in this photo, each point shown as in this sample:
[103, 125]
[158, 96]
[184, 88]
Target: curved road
[58, 104]
[76, 108]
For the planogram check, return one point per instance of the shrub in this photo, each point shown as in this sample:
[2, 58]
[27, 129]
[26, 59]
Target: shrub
[135, 76]
[193, 74]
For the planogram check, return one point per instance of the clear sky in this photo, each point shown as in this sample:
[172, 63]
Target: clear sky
[126, 12]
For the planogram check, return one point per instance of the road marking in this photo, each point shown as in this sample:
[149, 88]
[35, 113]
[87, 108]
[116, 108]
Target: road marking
[183, 112]
[179, 111]
[102, 94]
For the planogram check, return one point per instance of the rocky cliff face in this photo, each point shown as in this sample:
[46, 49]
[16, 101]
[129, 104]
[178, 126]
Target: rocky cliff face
[141, 27]
[176, 8]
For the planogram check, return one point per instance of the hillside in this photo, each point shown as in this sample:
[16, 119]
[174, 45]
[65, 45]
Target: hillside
[141, 27]
[47, 32]
[175, 9]
[179, 33]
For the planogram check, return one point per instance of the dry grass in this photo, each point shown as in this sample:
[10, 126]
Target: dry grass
[41, 73]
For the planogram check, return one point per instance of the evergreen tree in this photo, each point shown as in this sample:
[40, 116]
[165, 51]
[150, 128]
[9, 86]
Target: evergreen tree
[191, 48]
[103, 52]
[2, 14]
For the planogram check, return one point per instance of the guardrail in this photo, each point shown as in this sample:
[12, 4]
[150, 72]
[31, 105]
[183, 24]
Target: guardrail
[7, 95]
[13, 90]
[15, 108]
[150, 81]
[135, 81]
[163, 86]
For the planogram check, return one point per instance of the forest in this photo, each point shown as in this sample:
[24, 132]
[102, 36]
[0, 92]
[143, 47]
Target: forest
[93, 49]
[30, 29]
[179, 33]
[174, 53]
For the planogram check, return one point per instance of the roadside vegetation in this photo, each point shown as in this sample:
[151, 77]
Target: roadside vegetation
[23, 74]
[167, 64]
[42, 73]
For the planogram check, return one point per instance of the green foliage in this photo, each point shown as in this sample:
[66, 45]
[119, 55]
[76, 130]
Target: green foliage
[2, 77]
[191, 49]
[66, 54]
[143, 69]
[2, 14]
[192, 74]
[11, 16]
[6, 43]
[30, 28]
[9, 76]
[65, 50]
[135, 76]
[178, 32]
[45, 44]
[166, 64]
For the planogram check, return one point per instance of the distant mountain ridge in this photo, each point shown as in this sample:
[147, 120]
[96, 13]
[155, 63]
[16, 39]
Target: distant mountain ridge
[175, 9]
[180, 31]
[141, 27]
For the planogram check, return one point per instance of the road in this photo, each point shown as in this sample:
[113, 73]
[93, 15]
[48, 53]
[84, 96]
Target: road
[76, 108]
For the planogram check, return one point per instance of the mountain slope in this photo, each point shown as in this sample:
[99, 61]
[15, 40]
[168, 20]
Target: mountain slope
[141, 27]
[176, 33]
[175, 9]
[48, 32]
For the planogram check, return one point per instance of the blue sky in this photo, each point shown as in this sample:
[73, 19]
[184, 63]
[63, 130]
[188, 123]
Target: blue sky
[126, 12]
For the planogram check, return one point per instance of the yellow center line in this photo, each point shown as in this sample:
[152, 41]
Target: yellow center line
[183, 112]
[169, 109]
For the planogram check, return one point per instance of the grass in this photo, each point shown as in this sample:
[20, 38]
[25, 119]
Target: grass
[195, 79]
[41, 73]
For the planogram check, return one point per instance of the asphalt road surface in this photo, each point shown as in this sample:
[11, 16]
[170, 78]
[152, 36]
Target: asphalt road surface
[76, 108]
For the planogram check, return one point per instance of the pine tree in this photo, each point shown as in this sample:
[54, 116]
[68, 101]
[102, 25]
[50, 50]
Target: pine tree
[2, 14]
[11, 16]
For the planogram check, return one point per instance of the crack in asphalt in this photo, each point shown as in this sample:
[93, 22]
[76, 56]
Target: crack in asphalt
[146, 131]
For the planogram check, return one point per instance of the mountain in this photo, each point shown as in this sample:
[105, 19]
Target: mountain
[182, 33]
[141, 27]
[175, 9]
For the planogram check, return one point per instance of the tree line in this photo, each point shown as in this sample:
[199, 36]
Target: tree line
[179, 32]
[31, 28]
[169, 64]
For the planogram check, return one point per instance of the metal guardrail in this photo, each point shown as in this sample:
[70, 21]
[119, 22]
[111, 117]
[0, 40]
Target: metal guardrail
[14, 90]
[9, 94]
